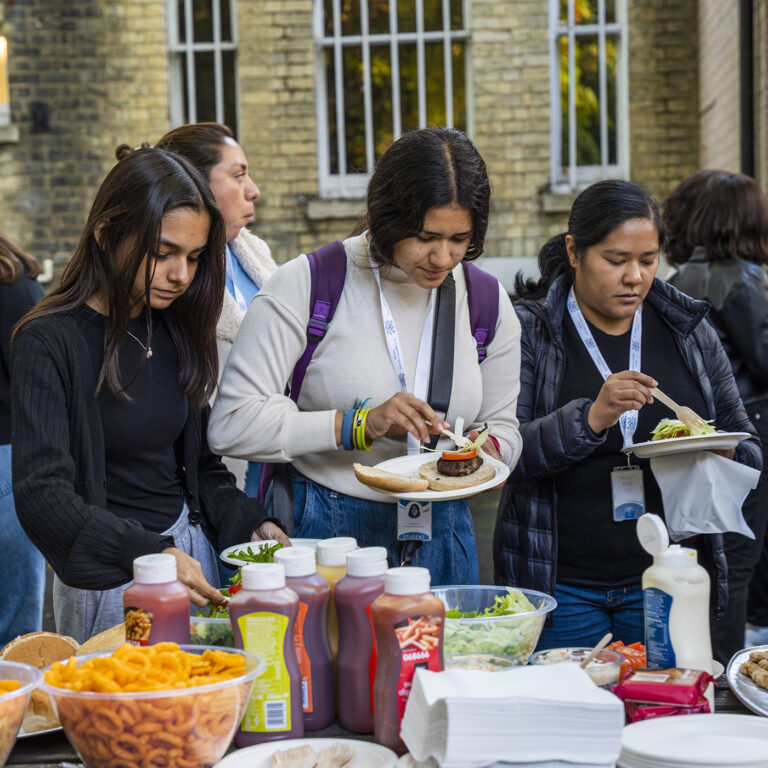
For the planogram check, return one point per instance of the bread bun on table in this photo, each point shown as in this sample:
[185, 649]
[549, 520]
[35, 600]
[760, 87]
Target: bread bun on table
[439, 482]
[393, 482]
[108, 640]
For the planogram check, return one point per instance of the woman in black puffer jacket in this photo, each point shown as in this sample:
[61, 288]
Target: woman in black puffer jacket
[719, 239]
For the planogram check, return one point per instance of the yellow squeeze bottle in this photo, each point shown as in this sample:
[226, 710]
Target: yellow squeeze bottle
[332, 566]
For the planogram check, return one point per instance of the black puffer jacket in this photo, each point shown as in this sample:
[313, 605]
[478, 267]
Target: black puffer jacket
[737, 289]
[525, 538]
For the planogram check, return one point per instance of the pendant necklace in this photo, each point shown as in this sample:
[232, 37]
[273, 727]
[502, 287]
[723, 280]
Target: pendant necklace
[147, 349]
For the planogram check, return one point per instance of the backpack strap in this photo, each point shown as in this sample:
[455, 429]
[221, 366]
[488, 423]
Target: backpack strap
[328, 270]
[483, 301]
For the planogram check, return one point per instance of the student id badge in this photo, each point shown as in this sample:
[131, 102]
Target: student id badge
[414, 520]
[628, 493]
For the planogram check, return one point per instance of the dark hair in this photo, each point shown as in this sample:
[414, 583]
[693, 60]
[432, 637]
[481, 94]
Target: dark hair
[731, 219]
[123, 227]
[425, 169]
[14, 263]
[597, 211]
[200, 143]
[678, 210]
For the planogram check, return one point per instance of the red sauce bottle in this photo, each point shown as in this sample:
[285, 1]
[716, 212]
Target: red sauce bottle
[156, 606]
[311, 635]
[408, 624]
[356, 662]
[263, 615]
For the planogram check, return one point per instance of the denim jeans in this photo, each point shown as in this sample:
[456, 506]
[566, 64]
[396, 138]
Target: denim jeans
[252, 479]
[22, 567]
[451, 556]
[583, 615]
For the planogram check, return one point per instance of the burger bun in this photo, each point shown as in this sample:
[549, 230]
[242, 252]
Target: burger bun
[391, 482]
[438, 482]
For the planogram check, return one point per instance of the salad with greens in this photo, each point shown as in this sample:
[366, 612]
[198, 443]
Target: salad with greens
[668, 428]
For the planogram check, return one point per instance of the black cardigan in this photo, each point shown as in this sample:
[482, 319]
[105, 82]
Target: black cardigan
[59, 479]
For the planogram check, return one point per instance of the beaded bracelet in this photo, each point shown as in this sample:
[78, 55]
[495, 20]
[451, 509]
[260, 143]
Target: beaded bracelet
[358, 430]
[346, 430]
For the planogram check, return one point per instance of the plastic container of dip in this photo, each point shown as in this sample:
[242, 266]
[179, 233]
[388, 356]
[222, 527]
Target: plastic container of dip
[603, 669]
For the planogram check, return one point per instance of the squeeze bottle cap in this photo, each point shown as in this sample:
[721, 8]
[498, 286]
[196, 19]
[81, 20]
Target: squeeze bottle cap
[262, 576]
[368, 561]
[154, 569]
[334, 551]
[676, 556]
[406, 581]
[297, 561]
[653, 534]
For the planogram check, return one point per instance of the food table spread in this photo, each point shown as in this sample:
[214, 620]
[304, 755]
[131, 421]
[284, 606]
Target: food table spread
[51, 749]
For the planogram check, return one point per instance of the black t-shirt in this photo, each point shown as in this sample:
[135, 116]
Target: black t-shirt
[593, 550]
[143, 480]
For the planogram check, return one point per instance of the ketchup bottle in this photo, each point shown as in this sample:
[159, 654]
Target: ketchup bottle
[156, 606]
[408, 624]
[311, 635]
[332, 565]
[263, 615]
[356, 662]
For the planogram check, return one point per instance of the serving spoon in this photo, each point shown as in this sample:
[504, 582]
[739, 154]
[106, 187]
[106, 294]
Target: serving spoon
[599, 647]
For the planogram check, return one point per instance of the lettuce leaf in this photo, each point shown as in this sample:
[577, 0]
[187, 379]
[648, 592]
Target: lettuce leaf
[668, 428]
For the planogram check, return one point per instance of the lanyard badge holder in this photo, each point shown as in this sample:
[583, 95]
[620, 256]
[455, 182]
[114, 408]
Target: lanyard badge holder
[627, 490]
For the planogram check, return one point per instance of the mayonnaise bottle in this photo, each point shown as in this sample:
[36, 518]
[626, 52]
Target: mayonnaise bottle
[675, 602]
[332, 566]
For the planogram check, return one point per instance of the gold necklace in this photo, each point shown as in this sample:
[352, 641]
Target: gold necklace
[147, 349]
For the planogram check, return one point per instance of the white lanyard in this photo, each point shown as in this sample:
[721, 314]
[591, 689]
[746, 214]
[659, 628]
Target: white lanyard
[628, 419]
[238, 294]
[424, 359]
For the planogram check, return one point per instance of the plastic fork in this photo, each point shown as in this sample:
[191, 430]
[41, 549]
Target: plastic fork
[688, 416]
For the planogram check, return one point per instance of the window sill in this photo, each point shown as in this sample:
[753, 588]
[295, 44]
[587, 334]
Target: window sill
[9, 134]
[319, 210]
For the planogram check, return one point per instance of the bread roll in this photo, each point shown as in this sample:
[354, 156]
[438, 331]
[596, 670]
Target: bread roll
[108, 640]
[438, 482]
[382, 480]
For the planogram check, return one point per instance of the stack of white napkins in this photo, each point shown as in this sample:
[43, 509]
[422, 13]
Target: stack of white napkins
[540, 716]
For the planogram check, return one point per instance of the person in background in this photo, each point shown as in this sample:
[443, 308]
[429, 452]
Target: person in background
[427, 211]
[212, 149]
[598, 332]
[111, 375]
[724, 234]
[23, 574]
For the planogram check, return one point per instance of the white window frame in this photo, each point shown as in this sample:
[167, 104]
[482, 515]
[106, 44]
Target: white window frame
[578, 177]
[182, 54]
[346, 185]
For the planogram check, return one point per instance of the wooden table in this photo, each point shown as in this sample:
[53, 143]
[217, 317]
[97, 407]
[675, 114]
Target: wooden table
[49, 750]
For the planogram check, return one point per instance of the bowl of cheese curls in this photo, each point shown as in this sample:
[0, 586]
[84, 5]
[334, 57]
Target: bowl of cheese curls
[17, 682]
[155, 706]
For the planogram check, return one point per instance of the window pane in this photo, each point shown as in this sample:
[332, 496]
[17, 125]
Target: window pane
[459, 90]
[204, 87]
[229, 77]
[585, 11]
[202, 20]
[328, 18]
[330, 85]
[184, 87]
[406, 15]
[563, 11]
[564, 115]
[610, 11]
[350, 17]
[409, 95]
[433, 15]
[378, 17]
[182, 27]
[611, 59]
[381, 96]
[457, 14]
[587, 101]
[354, 112]
[435, 82]
[226, 21]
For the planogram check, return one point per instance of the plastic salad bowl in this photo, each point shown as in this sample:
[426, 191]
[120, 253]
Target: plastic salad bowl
[14, 703]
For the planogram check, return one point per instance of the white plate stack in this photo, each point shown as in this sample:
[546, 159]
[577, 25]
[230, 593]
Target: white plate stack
[696, 741]
[532, 716]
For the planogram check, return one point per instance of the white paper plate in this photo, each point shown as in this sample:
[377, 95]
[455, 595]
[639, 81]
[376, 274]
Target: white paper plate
[367, 755]
[692, 741]
[237, 547]
[720, 441]
[746, 690]
[409, 466]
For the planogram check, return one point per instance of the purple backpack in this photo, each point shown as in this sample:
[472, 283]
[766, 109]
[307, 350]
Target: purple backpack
[328, 270]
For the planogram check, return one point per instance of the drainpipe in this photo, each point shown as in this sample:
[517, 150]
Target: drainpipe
[746, 83]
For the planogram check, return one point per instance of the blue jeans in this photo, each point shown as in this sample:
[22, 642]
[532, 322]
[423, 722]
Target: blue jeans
[583, 615]
[451, 556]
[22, 567]
[252, 478]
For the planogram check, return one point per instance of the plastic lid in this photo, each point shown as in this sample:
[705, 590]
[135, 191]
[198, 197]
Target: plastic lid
[368, 561]
[154, 569]
[297, 561]
[653, 534]
[406, 581]
[676, 556]
[334, 551]
[262, 576]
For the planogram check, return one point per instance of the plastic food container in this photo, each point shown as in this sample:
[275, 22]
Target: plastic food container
[205, 630]
[485, 662]
[603, 669]
[514, 635]
[192, 727]
[14, 703]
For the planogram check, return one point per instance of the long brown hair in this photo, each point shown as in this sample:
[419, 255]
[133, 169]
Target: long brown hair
[15, 263]
[200, 143]
[123, 227]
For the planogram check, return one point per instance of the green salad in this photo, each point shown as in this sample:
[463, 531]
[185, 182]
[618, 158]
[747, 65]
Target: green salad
[668, 428]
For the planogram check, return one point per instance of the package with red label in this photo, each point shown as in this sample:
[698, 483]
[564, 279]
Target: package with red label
[680, 687]
[635, 711]
[634, 655]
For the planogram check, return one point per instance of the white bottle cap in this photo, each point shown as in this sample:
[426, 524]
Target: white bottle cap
[154, 569]
[368, 561]
[676, 556]
[653, 534]
[297, 561]
[406, 581]
[334, 551]
[262, 576]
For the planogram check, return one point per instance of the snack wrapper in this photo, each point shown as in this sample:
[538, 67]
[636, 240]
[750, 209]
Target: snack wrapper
[678, 687]
[635, 711]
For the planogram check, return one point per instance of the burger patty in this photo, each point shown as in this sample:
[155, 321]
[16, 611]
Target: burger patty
[458, 467]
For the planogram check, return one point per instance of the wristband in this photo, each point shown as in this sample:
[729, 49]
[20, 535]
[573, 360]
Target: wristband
[346, 430]
[358, 430]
